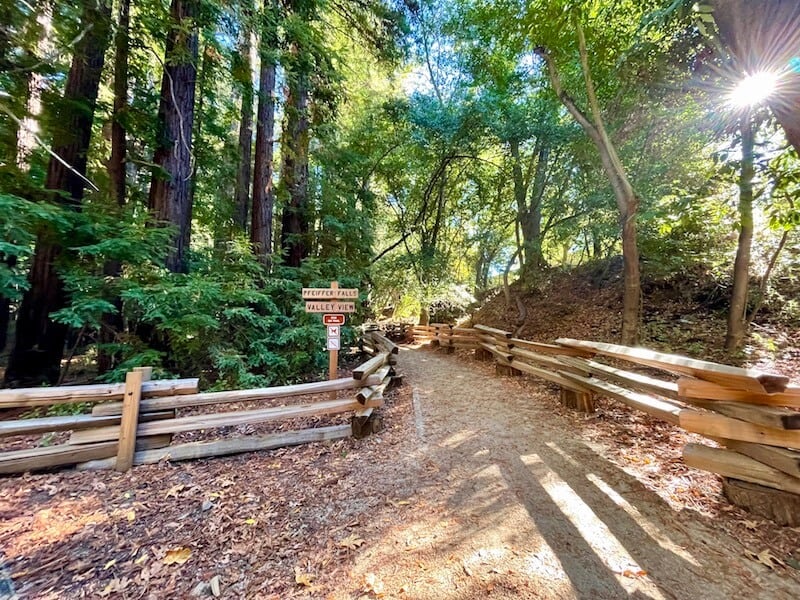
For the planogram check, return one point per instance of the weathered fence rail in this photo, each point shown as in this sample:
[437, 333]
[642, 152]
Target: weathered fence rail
[134, 422]
[751, 415]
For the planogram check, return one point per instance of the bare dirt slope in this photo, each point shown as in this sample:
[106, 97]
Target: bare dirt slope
[479, 487]
[526, 509]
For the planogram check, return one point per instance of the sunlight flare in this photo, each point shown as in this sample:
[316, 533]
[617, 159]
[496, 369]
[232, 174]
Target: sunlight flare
[753, 89]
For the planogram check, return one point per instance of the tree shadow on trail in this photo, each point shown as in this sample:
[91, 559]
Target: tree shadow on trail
[610, 536]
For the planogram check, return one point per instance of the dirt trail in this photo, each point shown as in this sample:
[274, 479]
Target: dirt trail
[511, 504]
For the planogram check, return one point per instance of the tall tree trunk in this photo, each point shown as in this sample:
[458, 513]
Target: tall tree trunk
[116, 162]
[626, 198]
[531, 224]
[520, 196]
[5, 307]
[295, 226]
[26, 141]
[170, 189]
[112, 322]
[765, 36]
[263, 192]
[741, 267]
[243, 74]
[39, 340]
[198, 147]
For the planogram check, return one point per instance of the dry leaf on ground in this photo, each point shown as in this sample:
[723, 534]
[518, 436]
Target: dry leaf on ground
[351, 542]
[303, 578]
[177, 556]
[766, 558]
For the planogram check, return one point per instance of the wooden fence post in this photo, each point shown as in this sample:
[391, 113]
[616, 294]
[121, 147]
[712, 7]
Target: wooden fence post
[147, 372]
[130, 419]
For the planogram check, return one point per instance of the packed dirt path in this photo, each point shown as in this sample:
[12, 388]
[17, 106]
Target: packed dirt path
[517, 506]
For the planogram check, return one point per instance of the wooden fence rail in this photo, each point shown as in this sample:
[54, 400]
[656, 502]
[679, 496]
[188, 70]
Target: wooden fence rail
[133, 422]
[752, 414]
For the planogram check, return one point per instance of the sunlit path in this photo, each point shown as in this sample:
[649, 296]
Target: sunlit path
[524, 509]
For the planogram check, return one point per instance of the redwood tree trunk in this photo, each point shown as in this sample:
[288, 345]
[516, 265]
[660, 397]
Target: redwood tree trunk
[36, 85]
[263, 192]
[112, 322]
[741, 267]
[294, 172]
[39, 340]
[116, 163]
[243, 73]
[170, 190]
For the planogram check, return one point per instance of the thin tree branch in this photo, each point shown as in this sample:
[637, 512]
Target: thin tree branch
[70, 168]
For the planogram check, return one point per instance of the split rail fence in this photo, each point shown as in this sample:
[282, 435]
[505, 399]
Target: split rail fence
[133, 423]
[753, 416]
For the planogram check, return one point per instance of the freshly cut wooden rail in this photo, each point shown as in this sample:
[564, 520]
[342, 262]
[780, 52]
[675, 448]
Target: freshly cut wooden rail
[239, 445]
[720, 426]
[736, 377]
[782, 459]
[545, 360]
[370, 392]
[697, 388]
[34, 459]
[27, 397]
[211, 398]
[733, 464]
[382, 342]
[551, 348]
[637, 381]
[495, 332]
[69, 423]
[368, 368]
[661, 409]
[505, 357]
[769, 416]
[557, 378]
[226, 419]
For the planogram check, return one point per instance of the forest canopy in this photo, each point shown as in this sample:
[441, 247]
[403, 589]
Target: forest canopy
[172, 173]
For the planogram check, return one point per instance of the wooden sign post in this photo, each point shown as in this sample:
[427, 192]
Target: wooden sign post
[329, 301]
[333, 352]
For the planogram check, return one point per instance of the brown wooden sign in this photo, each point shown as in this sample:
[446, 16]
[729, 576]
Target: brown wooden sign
[330, 307]
[330, 294]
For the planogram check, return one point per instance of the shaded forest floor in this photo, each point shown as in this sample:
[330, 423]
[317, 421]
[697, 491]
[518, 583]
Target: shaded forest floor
[479, 486]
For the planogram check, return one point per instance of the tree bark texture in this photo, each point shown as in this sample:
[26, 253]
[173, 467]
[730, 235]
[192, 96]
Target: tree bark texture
[294, 172]
[116, 162]
[112, 322]
[737, 317]
[765, 36]
[39, 340]
[170, 190]
[531, 219]
[263, 191]
[243, 73]
[26, 141]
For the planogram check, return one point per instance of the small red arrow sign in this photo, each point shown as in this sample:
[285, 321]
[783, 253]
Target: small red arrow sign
[333, 319]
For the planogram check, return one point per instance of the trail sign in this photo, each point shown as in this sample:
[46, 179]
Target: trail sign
[330, 307]
[329, 302]
[330, 293]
